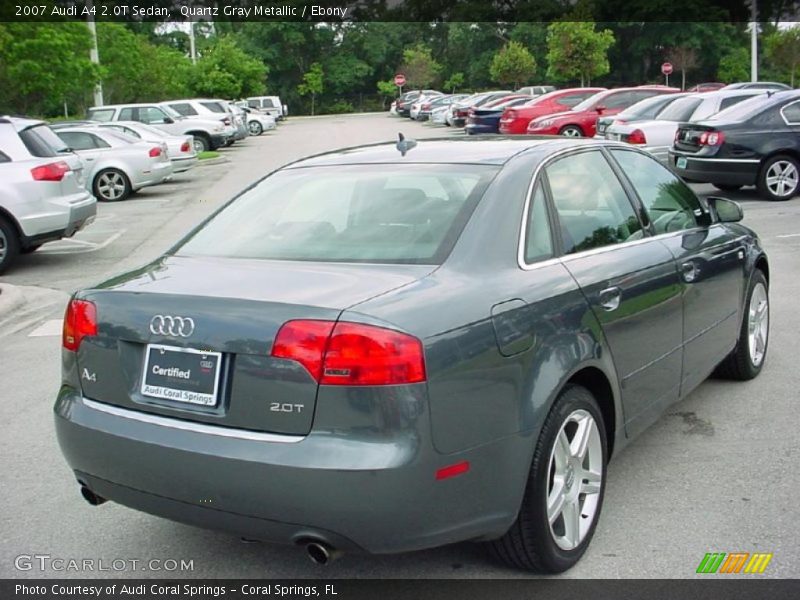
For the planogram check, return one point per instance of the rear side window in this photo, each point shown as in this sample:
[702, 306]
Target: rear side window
[592, 206]
[41, 141]
[127, 114]
[183, 108]
[573, 100]
[101, 114]
[4, 158]
[728, 102]
[538, 241]
[791, 113]
[409, 214]
[669, 203]
[213, 107]
[78, 140]
[267, 103]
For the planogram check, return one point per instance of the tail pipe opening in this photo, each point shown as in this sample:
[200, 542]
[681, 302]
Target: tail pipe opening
[321, 553]
[91, 497]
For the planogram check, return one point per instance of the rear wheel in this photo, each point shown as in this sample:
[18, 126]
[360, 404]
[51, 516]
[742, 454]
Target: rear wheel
[30, 249]
[747, 358]
[727, 187]
[779, 178]
[9, 244]
[255, 128]
[571, 131]
[201, 144]
[565, 488]
[111, 185]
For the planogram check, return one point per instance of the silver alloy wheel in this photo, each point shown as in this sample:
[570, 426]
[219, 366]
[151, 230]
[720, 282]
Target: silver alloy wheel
[199, 146]
[3, 245]
[782, 178]
[255, 128]
[571, 132]
[758, 324]
[575, 478]
[111, 185]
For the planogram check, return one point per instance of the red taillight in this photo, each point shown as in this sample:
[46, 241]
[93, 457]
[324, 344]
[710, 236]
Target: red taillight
[185, 147]
[426, 107]
[51, 172]
[80, 321]
[154, 152]
[510, 115]
[636, 137]
[711, 138]
[351, 353]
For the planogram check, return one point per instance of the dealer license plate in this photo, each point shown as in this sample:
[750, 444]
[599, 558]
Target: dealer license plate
[181, 374]
[680, 162]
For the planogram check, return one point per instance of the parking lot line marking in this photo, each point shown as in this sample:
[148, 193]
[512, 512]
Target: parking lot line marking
[788, 235]
[48, 328]
[90, 246]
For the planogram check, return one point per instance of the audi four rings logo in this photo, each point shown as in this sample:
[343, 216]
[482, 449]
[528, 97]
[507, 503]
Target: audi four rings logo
[173, 326]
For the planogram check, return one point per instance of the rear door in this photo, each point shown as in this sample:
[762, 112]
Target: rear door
[710, 262]
[628, 279]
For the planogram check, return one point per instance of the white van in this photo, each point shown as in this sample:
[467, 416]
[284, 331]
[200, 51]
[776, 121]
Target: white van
[271, 105]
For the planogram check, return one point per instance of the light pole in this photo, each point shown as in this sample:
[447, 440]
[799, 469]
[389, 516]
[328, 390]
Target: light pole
[192, 49]
[753, 41]
[93, 55]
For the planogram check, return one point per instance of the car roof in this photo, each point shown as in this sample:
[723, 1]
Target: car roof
[488, 150]
[20, 123]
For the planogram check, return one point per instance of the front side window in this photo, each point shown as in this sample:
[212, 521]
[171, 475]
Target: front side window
[151, 114]
[669, 203]
[77, 140]
[362, 213]
[592, 206]
[100, 114]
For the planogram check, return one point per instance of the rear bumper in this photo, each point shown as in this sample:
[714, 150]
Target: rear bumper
[157, 173]
[59, 217]
[478, 129]
[713, 170]
[179, 165]
[379, 495]
[218, 140]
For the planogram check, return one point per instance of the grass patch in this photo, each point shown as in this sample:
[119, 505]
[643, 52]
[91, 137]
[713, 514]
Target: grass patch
[208, 154]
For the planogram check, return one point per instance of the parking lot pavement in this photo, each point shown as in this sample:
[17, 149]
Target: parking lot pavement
[714, 474]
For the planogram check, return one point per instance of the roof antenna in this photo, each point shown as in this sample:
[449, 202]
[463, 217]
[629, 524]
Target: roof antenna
[404, 145]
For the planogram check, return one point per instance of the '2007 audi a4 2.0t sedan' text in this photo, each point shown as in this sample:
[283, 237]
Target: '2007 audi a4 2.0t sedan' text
[399, 346]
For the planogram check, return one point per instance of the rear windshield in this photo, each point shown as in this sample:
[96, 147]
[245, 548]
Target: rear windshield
[214, 107]
[742, 111]
[41, 141]
[589, 102]
[680, 110]
[409, 214]
[647, 108]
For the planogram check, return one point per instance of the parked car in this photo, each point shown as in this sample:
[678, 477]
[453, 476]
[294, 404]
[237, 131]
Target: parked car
[180, 149]
[644, 110]
[404, 106]
[706, 87]
[258, 122]
[42, 193]
[486, 118]
[536, 90]
[117, 165]
[581, 121]
[270, 105]
[515, 120]
[209, 109]
[657, 135]
[459, 111]
[396, 347]
[758, 85]
[208, 134]
[756, 142]
[427, 106]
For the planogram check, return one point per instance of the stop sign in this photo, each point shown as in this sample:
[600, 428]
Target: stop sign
[666, 68]
[400, 79]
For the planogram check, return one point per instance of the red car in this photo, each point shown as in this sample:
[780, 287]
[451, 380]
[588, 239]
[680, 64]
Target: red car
[581, 121]
[515, 120]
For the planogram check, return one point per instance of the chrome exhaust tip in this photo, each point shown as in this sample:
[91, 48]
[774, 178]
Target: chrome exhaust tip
[320, 553]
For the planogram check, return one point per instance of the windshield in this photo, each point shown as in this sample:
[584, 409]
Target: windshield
[647, 108]
[360, 213]
[174, 114]
[680, 110]
[589, 102]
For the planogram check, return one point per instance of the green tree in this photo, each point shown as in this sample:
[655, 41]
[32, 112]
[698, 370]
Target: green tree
[419, 66]
[575, 50]
[387, 89]
[227, 71]
[734, 66]
[312, 83]
[512, 65]
[455, 81]
[782, 48]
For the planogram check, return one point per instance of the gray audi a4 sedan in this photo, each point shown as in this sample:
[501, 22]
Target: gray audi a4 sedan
[394, 347]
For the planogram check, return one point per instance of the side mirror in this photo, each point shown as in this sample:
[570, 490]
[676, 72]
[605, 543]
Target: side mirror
[727, 211]
[168, 121]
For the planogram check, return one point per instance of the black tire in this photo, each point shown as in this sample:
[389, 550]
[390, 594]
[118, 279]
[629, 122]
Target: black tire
[739, 364]
[30, 249]
[727, 187]
[9, 244]
[201, 143]
[255, 128]
[764, 186]
[571, 131]
[530, 543]
[111, 185]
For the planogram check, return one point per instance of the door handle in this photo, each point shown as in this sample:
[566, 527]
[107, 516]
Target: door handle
[689, 271]
[610, 297]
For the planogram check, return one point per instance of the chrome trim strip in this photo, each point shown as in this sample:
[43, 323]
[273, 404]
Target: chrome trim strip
[726, 160]
[241, 434]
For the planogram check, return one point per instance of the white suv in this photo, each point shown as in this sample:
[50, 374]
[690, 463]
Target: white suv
[269, 104]
[42, 192]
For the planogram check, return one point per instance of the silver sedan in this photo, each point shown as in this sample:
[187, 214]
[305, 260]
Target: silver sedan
[180, 148]
[117, 164]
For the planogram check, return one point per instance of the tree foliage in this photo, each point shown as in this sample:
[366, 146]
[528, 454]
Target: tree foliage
[683, 58]
[226, 71]
[734, 66]
[782, 48]
[512, 65]
[576, 51]
[312, 83]
[455, 81]
[419, 66]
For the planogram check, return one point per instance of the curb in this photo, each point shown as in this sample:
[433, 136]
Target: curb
[212, 161]
[10, 298]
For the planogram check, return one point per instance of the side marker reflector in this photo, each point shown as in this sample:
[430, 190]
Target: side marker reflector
[452, 470]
